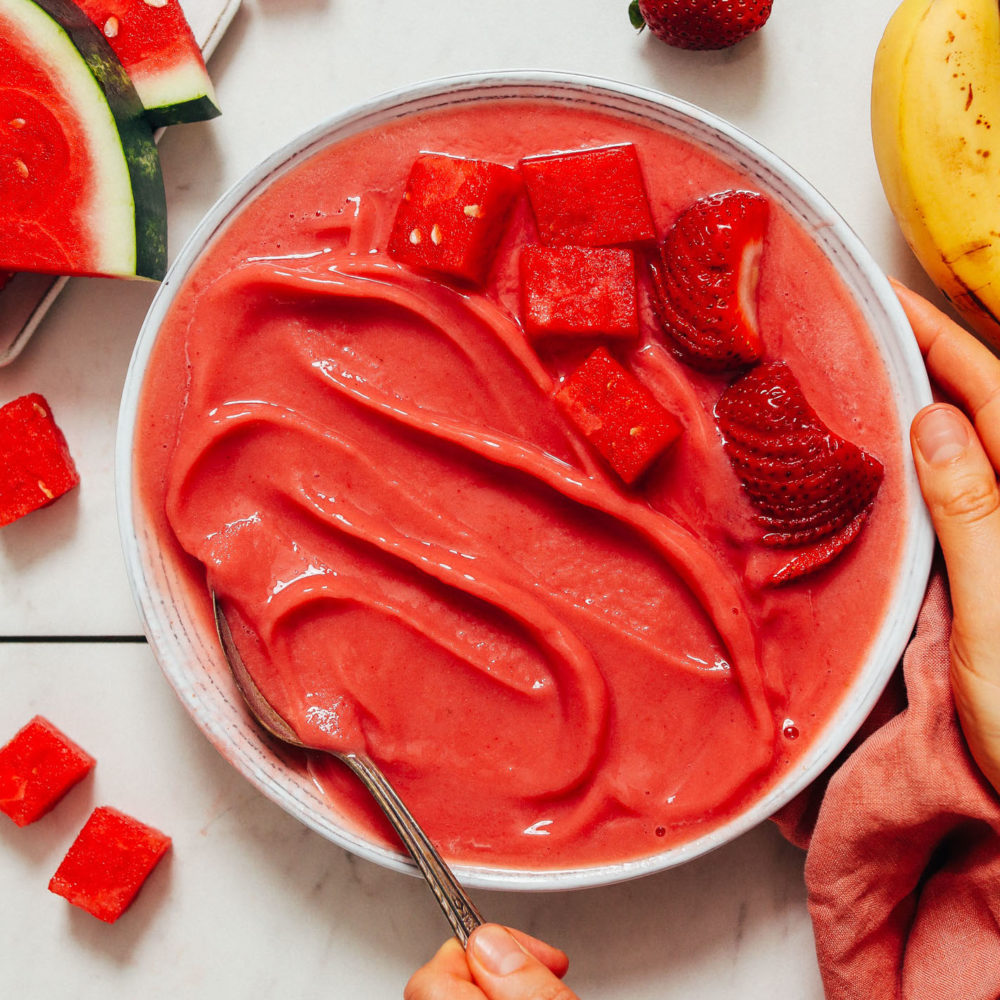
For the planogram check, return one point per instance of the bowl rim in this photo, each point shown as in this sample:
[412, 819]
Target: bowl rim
[917, 546]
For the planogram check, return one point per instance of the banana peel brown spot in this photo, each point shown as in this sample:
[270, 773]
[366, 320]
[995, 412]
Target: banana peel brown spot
[967, 250]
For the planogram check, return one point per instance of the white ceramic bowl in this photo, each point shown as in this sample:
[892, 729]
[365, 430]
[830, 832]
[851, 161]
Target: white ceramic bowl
[188, 653]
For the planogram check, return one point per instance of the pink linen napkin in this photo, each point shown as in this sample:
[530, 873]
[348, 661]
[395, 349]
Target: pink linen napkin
[903, 842]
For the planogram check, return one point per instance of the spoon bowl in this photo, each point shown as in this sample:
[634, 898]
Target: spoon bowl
[459, 910]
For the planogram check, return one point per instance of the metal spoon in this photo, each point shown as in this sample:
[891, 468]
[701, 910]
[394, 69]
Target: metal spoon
[456, 905]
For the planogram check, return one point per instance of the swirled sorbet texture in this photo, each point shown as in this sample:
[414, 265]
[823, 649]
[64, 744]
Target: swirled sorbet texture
[448, 450]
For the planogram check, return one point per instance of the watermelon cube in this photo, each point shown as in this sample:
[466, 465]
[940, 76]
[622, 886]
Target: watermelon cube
[37, 467]
[618, 415]
[589, 197]
[37, 768]
[452, 215]
[108, 862]
[579, 290]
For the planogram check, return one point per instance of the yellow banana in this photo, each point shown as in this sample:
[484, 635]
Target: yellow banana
[935, 115]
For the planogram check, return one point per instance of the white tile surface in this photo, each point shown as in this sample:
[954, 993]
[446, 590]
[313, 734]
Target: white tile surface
[250, 903]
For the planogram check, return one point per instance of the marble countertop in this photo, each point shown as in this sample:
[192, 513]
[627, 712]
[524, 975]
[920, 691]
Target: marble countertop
[250, 902]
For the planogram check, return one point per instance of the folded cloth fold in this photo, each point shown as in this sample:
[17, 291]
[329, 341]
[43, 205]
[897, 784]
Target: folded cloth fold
[903, 843]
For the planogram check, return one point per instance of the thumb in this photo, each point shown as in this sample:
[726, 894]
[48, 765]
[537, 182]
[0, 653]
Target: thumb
[960, 488]
[503, 970]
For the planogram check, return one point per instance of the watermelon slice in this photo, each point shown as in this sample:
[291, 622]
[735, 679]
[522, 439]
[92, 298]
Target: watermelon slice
[154, 42]
[81, 190]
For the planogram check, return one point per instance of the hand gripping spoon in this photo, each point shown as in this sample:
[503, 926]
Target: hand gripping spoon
[456, 905]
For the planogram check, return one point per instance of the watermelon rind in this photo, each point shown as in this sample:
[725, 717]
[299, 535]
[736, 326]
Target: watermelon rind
[127, 213]
[191, 109]
[178, 96]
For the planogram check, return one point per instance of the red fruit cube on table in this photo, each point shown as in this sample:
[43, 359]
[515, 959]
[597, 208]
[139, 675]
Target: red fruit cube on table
[590, 197]
[108, 862]
[452, 215]
[618, 414]
[37, 768]
[35, 463]
[578, 290]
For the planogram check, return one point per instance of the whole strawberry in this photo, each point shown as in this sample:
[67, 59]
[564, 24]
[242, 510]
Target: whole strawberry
[700, 24]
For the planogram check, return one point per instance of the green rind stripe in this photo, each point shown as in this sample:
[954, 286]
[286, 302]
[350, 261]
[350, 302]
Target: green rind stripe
[199, 109]
[141, 156]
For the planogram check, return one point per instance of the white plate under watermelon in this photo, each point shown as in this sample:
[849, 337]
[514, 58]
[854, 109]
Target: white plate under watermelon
[27, 297]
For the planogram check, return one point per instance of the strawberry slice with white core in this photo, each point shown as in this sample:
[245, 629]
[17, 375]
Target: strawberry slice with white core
[706, 280]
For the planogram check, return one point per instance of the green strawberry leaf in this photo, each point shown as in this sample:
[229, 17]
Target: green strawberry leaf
[635, 16]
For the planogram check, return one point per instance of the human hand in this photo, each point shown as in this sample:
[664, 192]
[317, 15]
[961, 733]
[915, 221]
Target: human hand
[957, 469]
[499, 964]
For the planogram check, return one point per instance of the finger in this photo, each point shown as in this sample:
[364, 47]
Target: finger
[960, 489]
[966, 369]
[504, 970]
[552, 958]
[445, 977]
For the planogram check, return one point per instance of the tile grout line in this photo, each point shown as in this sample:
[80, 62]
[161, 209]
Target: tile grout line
[27, 639]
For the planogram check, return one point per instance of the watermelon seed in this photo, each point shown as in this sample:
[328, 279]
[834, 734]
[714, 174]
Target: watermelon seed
[111, 27]
[16, 123]
[436, 235]
[415, 236]
[21, 167]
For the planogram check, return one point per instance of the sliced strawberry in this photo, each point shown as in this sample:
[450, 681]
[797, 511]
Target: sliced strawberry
[806, 482]
[819, 555]
[799, 523]
[705, 282]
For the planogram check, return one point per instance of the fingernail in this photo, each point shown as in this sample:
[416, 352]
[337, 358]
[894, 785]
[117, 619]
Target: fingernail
[941, 435]
[497, 951]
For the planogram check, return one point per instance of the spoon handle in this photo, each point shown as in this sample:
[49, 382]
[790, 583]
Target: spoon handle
[458, 908]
